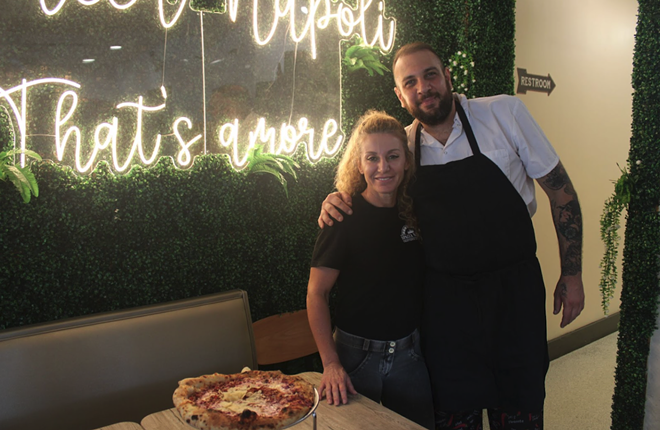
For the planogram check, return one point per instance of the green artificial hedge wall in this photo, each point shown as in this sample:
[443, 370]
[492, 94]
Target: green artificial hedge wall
[639, 295]
[102, 242]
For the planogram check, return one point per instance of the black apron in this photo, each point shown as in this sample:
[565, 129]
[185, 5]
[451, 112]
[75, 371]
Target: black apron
[484, 324]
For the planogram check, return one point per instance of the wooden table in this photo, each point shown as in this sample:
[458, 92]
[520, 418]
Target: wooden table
[360, 413]
[123, 426]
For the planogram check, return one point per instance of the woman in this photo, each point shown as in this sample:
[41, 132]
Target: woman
[374, 258]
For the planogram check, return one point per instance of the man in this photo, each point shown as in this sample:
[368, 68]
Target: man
[484, 322]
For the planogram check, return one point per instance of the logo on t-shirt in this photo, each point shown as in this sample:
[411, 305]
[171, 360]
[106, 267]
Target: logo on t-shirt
[408, 234]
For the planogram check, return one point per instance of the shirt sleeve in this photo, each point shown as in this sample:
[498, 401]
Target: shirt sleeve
[330, 248]
[534, 149]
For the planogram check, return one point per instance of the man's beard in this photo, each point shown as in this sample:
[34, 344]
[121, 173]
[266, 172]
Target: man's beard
[435, 116]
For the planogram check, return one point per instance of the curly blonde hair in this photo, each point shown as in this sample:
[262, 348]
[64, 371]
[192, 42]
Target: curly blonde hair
[350, 180]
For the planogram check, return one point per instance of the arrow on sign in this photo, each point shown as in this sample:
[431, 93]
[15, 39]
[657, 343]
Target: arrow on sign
[527, 82]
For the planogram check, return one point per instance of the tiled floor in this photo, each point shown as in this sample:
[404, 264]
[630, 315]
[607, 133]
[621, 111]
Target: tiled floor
[579, 387]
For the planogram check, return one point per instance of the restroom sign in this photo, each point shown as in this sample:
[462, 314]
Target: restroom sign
[538, 83]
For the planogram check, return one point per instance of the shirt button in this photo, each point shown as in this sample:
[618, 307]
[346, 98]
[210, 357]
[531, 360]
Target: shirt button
[391, 350]
[392, 344]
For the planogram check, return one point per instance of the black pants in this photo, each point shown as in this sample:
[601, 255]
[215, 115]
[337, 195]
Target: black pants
[497, 418]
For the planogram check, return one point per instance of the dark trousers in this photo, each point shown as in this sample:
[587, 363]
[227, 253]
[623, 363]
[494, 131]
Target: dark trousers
[497, 418]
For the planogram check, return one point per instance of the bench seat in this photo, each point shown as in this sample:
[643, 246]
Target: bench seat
[88, 372]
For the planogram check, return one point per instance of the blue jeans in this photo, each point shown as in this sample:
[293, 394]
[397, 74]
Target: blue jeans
[389, 372]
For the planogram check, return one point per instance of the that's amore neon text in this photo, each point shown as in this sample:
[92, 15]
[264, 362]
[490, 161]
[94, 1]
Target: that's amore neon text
[285, 140]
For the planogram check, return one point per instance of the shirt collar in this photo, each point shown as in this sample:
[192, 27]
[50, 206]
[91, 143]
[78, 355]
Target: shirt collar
[428, 140]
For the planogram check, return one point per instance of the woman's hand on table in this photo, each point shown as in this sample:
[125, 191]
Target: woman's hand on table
[336, 384]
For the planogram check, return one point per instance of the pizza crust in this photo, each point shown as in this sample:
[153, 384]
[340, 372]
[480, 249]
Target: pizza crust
[253, 400]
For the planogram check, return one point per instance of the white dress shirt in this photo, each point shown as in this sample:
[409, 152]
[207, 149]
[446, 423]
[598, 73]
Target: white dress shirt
[506, 133]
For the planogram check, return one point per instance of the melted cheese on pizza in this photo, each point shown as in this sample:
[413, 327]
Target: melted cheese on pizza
[249, 400]
[237, 399]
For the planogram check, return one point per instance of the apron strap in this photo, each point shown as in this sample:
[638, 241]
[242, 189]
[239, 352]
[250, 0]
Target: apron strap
[418, 139]
[466, 126]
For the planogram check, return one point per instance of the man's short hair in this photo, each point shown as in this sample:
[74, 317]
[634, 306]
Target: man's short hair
[411, 48]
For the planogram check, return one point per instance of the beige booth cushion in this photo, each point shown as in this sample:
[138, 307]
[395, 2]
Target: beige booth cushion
[89, 372]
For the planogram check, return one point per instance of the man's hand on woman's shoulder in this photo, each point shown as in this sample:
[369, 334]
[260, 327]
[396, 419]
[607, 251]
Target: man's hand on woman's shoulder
[331, 204]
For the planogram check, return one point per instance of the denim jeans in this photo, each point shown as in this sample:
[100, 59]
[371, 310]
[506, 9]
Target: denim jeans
[389, 372]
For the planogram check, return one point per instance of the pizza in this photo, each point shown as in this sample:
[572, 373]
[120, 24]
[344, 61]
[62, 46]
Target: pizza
[252, 400]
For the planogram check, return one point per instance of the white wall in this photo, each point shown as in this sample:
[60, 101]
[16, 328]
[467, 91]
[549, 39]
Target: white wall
[587, 48]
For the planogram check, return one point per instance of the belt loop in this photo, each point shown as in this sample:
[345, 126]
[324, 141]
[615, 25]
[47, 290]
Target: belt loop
[365, 345]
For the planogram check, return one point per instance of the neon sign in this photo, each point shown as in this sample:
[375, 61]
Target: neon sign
[344, 15]
[179, 117]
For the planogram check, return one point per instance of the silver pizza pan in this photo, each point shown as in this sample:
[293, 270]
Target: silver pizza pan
[310, 413]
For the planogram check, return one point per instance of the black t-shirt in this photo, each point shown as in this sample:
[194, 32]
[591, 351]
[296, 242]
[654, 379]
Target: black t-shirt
[381, 264]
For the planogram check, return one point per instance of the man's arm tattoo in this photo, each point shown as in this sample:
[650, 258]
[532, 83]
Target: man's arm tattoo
[558, 179]
[563, 289]
[568, 221]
